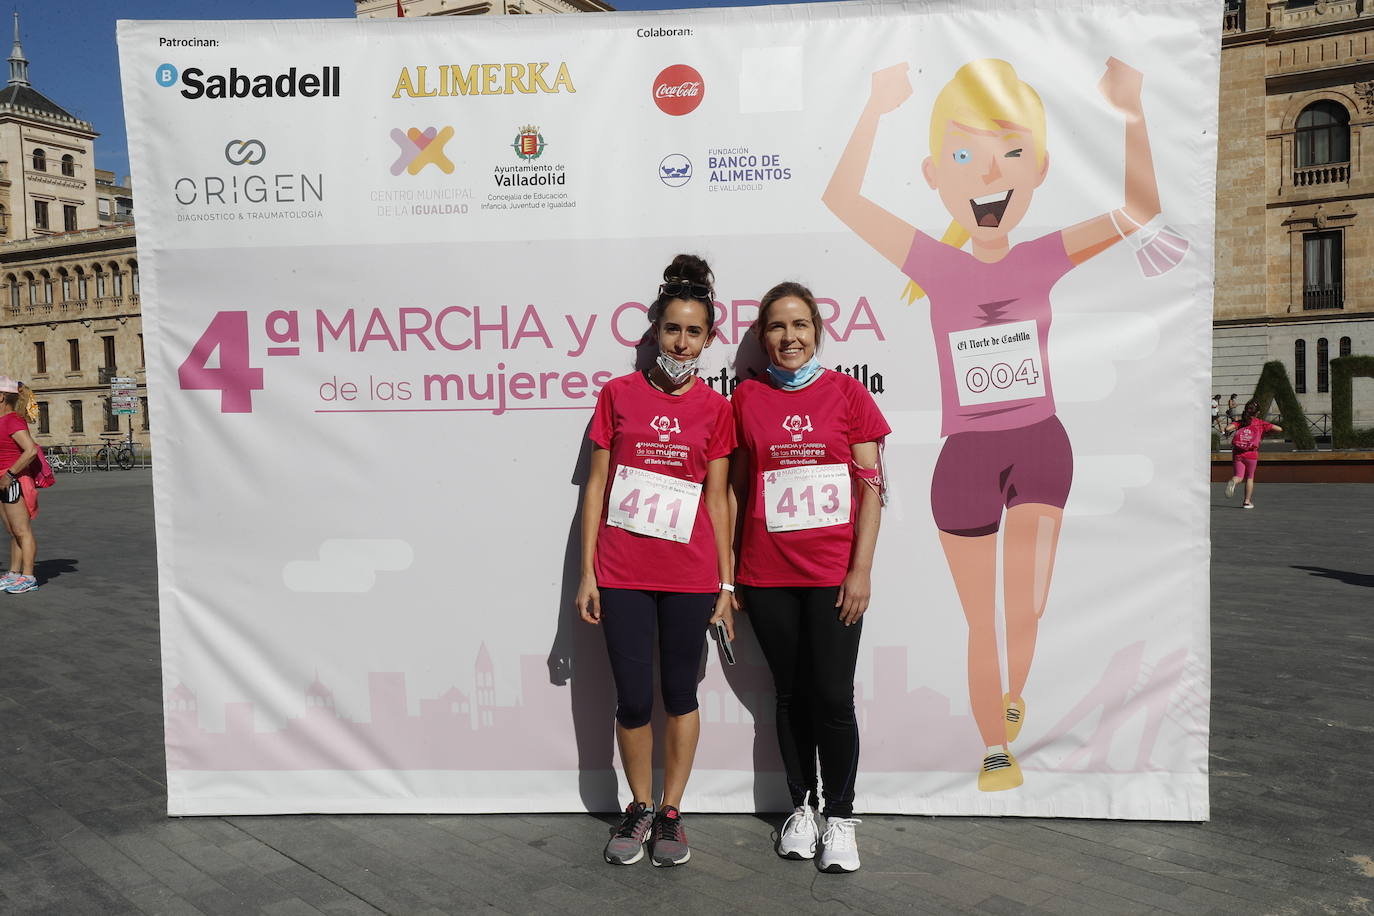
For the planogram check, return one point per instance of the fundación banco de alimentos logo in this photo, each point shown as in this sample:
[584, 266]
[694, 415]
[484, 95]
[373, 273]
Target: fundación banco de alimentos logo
[420, 148]
[675, 170]
[245, 152]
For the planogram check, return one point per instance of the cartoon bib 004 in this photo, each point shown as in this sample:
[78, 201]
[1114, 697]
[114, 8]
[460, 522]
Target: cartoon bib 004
[997, 363]
[653, 504]
[810, 496]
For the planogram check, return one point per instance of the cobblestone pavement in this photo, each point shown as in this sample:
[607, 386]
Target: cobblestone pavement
[82, 807]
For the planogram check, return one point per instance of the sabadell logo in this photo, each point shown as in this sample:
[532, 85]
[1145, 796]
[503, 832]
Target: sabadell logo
[678, 90]
[237, 84]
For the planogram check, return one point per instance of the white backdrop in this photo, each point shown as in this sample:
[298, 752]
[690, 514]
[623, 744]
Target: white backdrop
[372, 360]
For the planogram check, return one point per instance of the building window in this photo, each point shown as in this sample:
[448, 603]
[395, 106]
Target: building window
[104, 205]
[69, 217]
[40, 160]
[111, 418]
[47, 289]
[66, 287]
[118, 282]
[14, 294]
[44, 426]
[1321, 270]
[74, 354]
[40, 214]
[99, 283]
[133, 278]
[143, 404]
[69, 166]
[1300, 366]
[1345, 347]
[81, 288]
[4, 222]
[142, 360]
[33, 289]
[1323, 134]
[78, 422]
[40, 357]
[109, 352]
[1323, 366]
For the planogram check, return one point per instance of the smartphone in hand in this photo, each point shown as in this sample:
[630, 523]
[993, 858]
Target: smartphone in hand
[727, 648]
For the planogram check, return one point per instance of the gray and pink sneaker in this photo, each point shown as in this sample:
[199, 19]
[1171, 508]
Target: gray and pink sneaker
[669, 843]
[626, 845]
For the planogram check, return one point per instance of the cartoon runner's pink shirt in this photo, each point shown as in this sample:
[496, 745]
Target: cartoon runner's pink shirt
[992, 328]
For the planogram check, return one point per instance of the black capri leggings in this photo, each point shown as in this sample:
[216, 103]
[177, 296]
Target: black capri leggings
[629, 618]
[812, 656]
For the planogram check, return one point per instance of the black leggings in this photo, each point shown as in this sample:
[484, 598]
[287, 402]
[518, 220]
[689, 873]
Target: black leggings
[629, 618]
[812, 656]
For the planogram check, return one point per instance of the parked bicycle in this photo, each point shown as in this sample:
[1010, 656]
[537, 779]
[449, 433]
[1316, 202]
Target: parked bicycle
[115, 450]
[67, 458]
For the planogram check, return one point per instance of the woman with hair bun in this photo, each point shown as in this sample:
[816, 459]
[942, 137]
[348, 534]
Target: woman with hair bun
[17, 451]
[656, 551]
[808, 481]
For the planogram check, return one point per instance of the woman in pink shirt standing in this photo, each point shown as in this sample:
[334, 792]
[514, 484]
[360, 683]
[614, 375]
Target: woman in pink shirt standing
[1006, 455]
[808, 483]
[1245, 442]
[656, 557]
[17, 452]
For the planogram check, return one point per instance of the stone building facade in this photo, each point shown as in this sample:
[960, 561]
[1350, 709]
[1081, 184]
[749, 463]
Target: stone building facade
[386, 9]
[1295, 196]
[69, 286]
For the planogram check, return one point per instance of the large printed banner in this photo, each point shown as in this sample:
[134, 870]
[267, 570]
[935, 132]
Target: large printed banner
[388, 266]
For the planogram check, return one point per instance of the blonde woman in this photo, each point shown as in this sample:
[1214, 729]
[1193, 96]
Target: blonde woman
[1006, 464]
[17, 450]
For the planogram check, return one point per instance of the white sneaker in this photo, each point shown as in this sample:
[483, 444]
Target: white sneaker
[1230, 488]
[799, 833]
[839, 848]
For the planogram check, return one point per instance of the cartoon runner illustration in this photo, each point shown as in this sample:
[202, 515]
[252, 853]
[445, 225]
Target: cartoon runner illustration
[1005, 450]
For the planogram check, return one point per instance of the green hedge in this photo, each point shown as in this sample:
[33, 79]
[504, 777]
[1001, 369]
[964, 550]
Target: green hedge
[1344, 371]
[1273, 385]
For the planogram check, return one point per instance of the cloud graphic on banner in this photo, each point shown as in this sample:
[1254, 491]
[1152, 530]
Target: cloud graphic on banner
[1084, 351]
[1100, 482]
[348, 565]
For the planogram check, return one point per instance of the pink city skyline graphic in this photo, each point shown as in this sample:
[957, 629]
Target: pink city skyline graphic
[905, 729]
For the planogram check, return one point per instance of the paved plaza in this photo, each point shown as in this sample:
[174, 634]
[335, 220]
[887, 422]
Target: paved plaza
[83, 827]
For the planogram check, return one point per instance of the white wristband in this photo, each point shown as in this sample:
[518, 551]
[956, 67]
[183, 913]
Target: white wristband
[727, 587]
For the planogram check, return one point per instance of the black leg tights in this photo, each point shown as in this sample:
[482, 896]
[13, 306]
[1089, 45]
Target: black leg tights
[812, 656]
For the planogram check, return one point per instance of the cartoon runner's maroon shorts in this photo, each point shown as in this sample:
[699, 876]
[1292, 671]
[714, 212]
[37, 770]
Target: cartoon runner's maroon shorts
[979, 474]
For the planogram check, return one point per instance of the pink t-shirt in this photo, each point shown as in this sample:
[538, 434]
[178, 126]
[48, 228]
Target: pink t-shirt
[781, 430]
[1247, 438]
[992, 330]
[673, 435]
[10, 451]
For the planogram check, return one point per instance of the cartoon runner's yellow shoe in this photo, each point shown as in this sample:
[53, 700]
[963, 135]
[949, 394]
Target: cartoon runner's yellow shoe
[1000, 771]
[1015, 713]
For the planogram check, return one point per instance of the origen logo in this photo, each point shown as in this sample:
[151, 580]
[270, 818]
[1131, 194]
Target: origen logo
[675, 170]
[678, 90]
[421, 148]
[245, 152]
[166, 75]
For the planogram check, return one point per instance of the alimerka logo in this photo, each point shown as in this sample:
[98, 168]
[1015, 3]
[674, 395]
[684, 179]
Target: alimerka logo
[420, 148]
[239, 85]
[482, 79]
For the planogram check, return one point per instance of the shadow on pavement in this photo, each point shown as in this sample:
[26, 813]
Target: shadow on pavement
[1341, 575]
[47, 570]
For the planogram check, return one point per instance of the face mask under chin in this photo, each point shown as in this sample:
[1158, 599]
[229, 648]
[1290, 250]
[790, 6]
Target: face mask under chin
[677, 371]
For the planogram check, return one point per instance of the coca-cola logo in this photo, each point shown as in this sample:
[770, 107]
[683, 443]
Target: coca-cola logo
[678, 90]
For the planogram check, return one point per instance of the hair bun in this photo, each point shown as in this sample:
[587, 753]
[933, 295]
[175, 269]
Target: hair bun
[691, 268]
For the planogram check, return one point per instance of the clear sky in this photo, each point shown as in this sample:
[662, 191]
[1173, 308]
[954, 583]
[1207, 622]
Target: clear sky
[73, 60]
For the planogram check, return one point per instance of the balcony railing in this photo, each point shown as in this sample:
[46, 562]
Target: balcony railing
[1330, 173]
[1233, 17]
[1322, 297]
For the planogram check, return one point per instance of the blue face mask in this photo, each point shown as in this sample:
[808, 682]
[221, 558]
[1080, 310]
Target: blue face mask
[790, 380]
